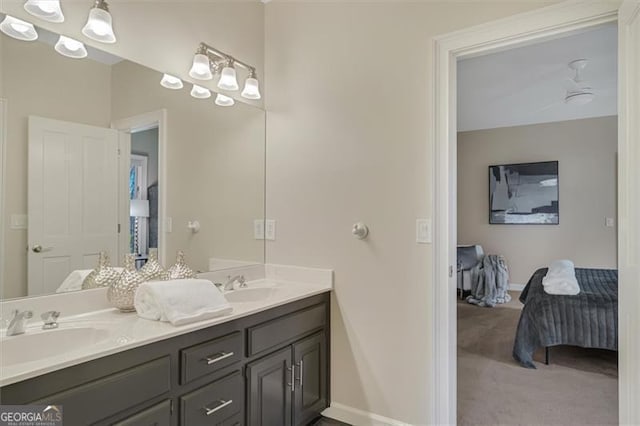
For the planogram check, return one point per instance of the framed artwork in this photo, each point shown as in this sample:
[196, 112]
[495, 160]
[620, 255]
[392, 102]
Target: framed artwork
[524, 194]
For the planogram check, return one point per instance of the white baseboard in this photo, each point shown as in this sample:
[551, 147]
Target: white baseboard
[354, 416]
[516, 287]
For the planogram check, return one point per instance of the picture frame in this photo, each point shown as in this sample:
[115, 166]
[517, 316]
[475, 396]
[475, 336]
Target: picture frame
[524, 193]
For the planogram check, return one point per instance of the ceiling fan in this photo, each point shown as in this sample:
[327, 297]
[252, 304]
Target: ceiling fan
[578, 91]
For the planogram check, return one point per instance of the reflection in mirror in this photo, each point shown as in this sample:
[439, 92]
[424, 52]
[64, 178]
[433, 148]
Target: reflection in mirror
[101, 157]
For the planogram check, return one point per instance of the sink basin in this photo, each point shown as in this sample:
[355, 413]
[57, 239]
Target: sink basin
[245, 295]
[42, 344]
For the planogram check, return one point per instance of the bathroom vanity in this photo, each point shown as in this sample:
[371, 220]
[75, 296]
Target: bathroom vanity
[266, 368]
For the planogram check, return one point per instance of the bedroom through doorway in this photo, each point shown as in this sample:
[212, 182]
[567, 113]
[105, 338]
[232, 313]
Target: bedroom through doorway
[537, 327]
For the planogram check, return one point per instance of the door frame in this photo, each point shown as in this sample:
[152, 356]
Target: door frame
[139, 123]
[3, 180]
[526, 28]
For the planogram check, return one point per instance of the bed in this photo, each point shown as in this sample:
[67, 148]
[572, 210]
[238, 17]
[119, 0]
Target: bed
[588, 319]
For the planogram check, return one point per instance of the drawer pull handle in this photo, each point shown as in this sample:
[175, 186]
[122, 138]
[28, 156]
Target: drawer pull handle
[219, 407]
[212, 359]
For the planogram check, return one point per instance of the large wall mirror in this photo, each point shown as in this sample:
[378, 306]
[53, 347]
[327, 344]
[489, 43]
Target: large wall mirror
[98, 156]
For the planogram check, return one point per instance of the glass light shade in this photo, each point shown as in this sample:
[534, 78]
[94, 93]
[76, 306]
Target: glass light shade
[99, 26]
[222, 100]
[200, 68]
[49, 10]
[70, 48]
[18, 29]
[251, 89]
[228, 79]
[171, 82]
[200, 92]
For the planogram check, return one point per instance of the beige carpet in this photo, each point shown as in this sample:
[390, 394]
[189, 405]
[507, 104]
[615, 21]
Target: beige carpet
[579, 387]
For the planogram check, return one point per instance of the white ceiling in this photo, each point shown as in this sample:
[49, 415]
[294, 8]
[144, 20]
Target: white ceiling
[527, 85]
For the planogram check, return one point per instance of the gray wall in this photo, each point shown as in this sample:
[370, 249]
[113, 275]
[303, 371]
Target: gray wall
[146, 143]
[586, 151]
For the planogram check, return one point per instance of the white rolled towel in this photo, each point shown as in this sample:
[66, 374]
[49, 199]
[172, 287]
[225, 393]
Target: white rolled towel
[561, 279]
[180, 301]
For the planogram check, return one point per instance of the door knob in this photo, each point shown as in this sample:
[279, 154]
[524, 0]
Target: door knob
[37, 248]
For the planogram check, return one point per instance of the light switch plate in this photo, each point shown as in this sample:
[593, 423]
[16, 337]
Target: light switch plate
[258, 229]
[18, 221]
[270, 230]
[423, 231]
[609, 222]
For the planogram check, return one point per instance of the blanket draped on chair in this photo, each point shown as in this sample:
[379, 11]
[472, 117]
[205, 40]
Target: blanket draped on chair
[492, 283]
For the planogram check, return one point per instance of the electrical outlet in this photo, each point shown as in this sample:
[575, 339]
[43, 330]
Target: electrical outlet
[609, 222]
[168, 224]
[423, 231]
[258, 229]
[270, 230]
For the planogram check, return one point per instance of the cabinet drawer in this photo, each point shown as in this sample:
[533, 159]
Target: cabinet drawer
[285, 329]
[158, 415]
[215, 403]
[200, 360]
[104, 397]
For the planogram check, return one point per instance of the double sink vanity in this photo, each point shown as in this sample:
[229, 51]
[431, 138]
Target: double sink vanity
[266, 363]
[124, 165]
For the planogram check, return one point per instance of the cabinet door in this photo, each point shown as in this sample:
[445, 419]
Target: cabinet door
[269, 383]
[158, 415]
[310, 370]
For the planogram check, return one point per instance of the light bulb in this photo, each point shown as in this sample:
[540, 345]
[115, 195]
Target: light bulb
[49, 10]
[18, 29]
[171, 82]
[228, 79]
[201, 69]
[251, 88]
[70, 48]
[200, 92]
[222, 100]
[99, 26]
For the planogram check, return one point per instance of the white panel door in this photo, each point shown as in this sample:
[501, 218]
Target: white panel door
[72, 199]
[629, 211]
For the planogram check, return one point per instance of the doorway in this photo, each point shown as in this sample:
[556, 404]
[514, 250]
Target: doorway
[519, 30]
[531, 162]
[142, 172]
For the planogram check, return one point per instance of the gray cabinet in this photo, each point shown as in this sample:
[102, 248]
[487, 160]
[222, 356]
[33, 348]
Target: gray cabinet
[265, 369]
[158, 415]
[215, 403]
[310, 390]
[288, 387]
[269, 389]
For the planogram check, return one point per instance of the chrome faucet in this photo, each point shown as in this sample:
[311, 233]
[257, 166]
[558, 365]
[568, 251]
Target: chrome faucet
[18, 322]
[50, 319]
[230, 280]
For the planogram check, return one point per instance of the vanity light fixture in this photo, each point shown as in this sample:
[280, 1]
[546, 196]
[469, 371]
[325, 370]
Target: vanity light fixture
[200, 69]
[209, 61]
[200, 92]
[99, 26]
[171, 82]
[228, 80]
[251, 87]
[18, 29]
[222, 100]
[49, 10]
[70, 48]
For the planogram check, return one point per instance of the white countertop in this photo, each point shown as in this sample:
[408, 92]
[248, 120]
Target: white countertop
[117, 331]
